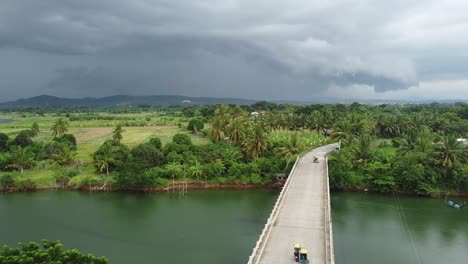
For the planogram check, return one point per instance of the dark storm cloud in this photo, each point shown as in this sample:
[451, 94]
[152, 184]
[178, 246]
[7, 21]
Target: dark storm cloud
[295, 49]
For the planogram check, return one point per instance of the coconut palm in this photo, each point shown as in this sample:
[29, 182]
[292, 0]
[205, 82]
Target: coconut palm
[449, 151]
[66, 156]
[117, 133]
[362, 148]
[105, 158]
[21, 158]
[216, 131]
[236, 131]
[408, 143]
[291, 149]
[60, 128]
[342, 130]
[256, 142]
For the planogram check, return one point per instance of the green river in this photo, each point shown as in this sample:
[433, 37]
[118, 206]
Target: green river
[223, 226]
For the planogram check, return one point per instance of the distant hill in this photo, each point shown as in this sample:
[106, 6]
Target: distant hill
[120, 100]
[166, 100]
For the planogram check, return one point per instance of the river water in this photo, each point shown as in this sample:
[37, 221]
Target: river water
[391, 229]
[218, 226]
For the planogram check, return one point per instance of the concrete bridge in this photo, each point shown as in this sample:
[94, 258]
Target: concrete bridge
[301, 215]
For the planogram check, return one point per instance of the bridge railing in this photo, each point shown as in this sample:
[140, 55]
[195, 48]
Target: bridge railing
[329, 249]
[265, 235]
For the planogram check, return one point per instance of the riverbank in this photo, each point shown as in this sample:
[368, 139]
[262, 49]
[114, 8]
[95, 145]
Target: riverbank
[179, 186]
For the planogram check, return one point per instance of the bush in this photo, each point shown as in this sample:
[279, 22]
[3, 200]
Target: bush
[26, 185]
[4, 160]
[48, 252]
[156, 142]
[7, 182]
[195, 125]
[67, 139]
[119, 153]
[23, 139]
[182, 139]
[147, 156]
[3, 142]
[62, 176]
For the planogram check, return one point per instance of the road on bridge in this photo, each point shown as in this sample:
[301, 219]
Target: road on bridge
[303, 214]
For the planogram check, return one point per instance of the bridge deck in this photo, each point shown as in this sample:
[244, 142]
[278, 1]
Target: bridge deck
[303, 216]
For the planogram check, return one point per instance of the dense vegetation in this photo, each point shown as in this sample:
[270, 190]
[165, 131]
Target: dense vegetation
[237, 148]
[385, 148]
[410, 149]
[47, 253]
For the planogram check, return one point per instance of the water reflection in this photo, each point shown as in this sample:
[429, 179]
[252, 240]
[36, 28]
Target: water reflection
[393, 229]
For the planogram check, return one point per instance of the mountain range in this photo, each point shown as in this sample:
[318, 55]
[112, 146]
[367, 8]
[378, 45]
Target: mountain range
[120, 100]
[166, 100]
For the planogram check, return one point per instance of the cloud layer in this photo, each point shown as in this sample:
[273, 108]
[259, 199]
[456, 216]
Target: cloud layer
[286, 49]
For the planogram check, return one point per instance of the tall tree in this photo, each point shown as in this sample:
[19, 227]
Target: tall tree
[60, 128]
[449, 151]
[105, 158]
[362, 148]
[117, 133]
[291, 149]
[256, 142]
[236, 131]
[216, 130]
[34, 129]
[21, 158]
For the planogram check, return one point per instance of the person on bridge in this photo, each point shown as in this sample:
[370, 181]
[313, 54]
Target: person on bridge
[297, 248]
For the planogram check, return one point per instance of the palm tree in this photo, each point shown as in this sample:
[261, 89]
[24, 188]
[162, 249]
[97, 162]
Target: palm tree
[424, 140]
[238, 112]
[222, 111]
[342, 130]
[408, 142]
[235, 131]
[66, 156]
[215, 133]
[256, 142]
[117, 133]
[21, 158]
[291, 149]
[449, 151]
[34, 129]
[105, 158]
[362, 149]
[60, 128]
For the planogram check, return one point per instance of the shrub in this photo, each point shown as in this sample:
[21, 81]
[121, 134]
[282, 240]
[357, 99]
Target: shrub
[67, 139]
[26, 185]
[156, 142]
[147, 156]
[3, 142]
[195, 125]
[7, 182]
[182, 139]
[48, 252]
[23, 139]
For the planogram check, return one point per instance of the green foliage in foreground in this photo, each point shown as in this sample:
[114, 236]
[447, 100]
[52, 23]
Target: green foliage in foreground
[46, 253]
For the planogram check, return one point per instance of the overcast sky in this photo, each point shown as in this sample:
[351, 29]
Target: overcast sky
[257, 49]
